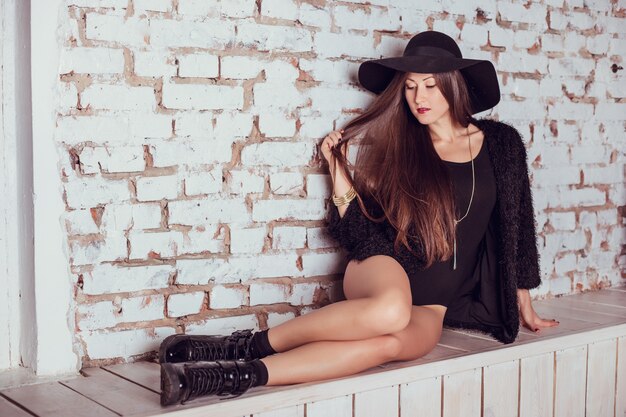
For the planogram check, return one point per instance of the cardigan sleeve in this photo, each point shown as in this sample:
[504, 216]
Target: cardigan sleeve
[528, 275]
[354, 227]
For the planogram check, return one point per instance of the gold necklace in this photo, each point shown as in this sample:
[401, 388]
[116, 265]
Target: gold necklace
[471, 198]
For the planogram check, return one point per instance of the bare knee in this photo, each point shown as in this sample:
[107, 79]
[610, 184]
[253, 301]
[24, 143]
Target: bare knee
[389, 346]
[389, 313]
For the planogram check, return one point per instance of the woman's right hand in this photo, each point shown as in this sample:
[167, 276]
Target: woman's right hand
[333, 139]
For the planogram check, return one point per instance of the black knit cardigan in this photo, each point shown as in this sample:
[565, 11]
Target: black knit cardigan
[518, 258]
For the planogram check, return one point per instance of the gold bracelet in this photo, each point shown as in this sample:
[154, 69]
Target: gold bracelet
[346, 198]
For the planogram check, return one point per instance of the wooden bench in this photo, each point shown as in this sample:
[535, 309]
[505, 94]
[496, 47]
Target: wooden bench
[576, 369]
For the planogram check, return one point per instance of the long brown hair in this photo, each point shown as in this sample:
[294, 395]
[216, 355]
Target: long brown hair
[397, 166]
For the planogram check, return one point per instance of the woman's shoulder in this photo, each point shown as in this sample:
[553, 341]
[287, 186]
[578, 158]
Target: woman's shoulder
[496, 127]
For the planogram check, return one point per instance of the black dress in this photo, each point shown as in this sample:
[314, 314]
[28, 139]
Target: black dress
[476, 259]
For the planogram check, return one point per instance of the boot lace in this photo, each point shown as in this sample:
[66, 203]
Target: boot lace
[207, 351]
[207, 381]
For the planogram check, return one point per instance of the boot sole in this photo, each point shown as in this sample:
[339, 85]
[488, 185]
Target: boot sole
[167, 342]
[170, 385]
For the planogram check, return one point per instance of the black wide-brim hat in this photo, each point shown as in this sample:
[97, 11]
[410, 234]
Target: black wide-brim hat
[432, 52]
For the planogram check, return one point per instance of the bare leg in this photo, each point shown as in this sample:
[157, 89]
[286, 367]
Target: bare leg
[379, 302]
[332, 359]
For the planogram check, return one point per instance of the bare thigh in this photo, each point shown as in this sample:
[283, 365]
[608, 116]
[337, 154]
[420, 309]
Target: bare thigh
[422, 333]
[376, 276]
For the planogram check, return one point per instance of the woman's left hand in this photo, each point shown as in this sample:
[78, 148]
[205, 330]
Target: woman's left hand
[528, 315]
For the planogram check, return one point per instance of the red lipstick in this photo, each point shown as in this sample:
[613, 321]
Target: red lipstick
[422, 110]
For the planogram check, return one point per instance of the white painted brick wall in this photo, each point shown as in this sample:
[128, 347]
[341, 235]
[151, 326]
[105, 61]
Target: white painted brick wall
[188, 138]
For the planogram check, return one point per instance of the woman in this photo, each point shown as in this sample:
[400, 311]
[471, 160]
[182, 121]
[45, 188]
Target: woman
[441, 232]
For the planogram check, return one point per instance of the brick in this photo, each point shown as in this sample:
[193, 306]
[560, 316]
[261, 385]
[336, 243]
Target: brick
[525, 88]
[226, 297]
[565, 264]
[115, 4]
[112, 129]
[559, 175]
[278, 70]
[158, 188]
[517, 12]
[280, 9]
[286, 210]
[571, 66]
[194, 124]
[560, 286]
[588, 220]
[67, 97]
[288, 237]
[118, 97]
[203, 271]
[112, 159]
[96, 316]
[303, 293]
[240, 67]
[609, 111]
[314, 16]
[562, 241]
[124, 343]
[179, 305]
[206, 66]
[144, 245]
[162, 6]
[338, 72]
[319, 238]
[582, 154]
[515, 62]
[287, 183]
[111, 248]
[154, 63]
[210, 240]
[335, 45]
[151, 307]
[247, 240]
[121, 216]
[277, 95]
[373, 19]
[210, 33]
[447, 26]
[196, 212]
[583, 197]
[607, 217]
[314, 264]
[202, 97]
[110, 279]
[244, 182]
[92, 61]
[190, 153]
[231, 124]
[198, 8]
[314, 127]
[201, 183]
[563, 220]
[329, 99]
[276, 124]
[318, 185]
[273, 38]
[126, 31]
[89, 192]
[282, 154]
[79, 222]
[474, 34]
[568, 110]
[274, 319]
[265, 293]
[224, 325]
[598, 44]
[524, 39]
[610, 174]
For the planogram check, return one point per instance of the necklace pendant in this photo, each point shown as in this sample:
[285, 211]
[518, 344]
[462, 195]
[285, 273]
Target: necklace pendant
[454, 262]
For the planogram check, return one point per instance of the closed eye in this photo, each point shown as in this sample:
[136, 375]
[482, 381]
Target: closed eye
[411, 88]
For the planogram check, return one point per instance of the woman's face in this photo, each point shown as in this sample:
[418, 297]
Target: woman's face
[424, 97]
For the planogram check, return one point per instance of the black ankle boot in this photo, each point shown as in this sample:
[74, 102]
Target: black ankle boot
[186, 348]
[181, 382]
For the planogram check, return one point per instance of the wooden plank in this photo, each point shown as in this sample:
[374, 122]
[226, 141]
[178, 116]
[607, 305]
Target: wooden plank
[500, 389]
[613, 298]
[466, 342]
[601, 364]
[377, 403]
[336, 407]
[461, 393]
[144, 373]
[8, 409]
[295, 411]
[55, 400]
[441, 352]
[536, 385]
[120, 395]
[421, 398]
[620, 380]
[570, 381]
[590, 306]
[553, 311]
